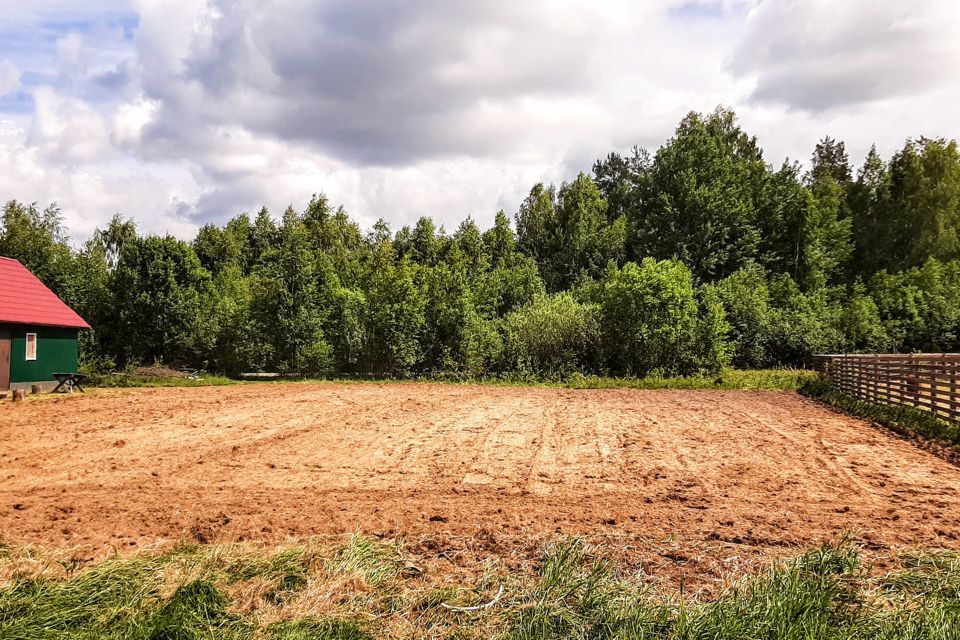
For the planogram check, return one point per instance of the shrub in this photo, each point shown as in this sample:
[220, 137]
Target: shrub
[651, 321]
[553, 336]
[746, 300]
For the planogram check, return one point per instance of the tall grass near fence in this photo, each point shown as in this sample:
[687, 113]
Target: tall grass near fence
[927, 382]
[907, 421]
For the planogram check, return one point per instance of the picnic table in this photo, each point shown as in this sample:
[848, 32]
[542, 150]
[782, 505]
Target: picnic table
[69, 382]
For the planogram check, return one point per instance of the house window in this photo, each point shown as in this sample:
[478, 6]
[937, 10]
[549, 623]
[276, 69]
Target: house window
[31, 346]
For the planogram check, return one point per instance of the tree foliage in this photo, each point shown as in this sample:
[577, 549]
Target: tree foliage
[678, 261]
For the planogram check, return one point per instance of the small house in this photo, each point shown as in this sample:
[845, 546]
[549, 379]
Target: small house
[38, 332]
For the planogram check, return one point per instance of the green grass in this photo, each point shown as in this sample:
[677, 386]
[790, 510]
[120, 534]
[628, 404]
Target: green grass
[311, 629]
[362, 589]
[906, 421]
[126, 381]
[730, 379]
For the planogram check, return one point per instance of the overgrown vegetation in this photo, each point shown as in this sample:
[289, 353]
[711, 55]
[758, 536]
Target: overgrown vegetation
[121, 379]
[367, 589]
[906, 421]
[670, 263]
[729, 379]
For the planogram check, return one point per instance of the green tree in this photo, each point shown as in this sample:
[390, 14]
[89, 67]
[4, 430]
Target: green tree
[160, 297]
[765, 267]
[536, 221]
[586, 240]
[869, 199]
[699, 201]
[802, 324]
[746, 301]
[925, 190]
[651, 321]
[831, 162]
[217, 249]
[552, 336]
[240, 344]
[825, 235]
[347, 329]
[860, 322]
[619, 177]
[424, 244]
[499, 242]
[909, 210]
[448, 317]
[570, 235]
[264, 238]
[396, 319]
[782, 205]
[111, 239]
[507, 287]
[292, 286]
[920, 307]
[38, 240]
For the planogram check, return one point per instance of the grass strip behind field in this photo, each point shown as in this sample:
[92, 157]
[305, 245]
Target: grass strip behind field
[730, 379]
[906, 421]
[112, 381]
[365, 590]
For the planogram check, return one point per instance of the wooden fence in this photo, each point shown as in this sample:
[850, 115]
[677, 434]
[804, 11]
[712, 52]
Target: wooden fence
[926, 381]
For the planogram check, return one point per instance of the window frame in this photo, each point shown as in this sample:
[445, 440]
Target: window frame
[27, 354]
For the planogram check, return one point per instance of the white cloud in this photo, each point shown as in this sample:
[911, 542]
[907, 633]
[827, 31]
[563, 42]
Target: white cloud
[130, 119]
[186, 111]
[822, 54]
[93, 191]
[66, 130]
[9, 78]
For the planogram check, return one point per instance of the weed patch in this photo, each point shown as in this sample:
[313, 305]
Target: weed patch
[317, 630]
[197, 610]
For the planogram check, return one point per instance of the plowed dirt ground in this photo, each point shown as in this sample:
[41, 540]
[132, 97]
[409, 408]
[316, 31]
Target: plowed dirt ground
[691, 470]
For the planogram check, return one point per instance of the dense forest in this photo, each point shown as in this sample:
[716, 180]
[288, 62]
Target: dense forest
[682, 261]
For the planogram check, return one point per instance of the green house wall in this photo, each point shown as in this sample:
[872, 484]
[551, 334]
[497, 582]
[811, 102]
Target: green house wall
[56, 353]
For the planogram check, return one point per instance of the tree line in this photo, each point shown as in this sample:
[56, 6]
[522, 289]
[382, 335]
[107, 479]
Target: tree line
[676, 262]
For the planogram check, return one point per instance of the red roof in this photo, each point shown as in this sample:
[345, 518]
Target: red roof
[26, 300]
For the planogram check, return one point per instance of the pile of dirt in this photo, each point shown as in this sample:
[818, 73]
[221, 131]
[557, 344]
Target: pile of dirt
[159, 371]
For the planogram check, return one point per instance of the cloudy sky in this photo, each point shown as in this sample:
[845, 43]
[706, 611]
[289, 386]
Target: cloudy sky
[180, 112]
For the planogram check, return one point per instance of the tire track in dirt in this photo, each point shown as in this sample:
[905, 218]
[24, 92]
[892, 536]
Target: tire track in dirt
[824, 457]
[267, 461]
[503, 436]
[542, 474]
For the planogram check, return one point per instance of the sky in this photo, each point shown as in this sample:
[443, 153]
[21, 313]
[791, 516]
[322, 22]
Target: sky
[176, 113]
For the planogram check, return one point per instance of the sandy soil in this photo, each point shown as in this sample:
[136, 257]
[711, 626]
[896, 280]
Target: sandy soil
[269, 461]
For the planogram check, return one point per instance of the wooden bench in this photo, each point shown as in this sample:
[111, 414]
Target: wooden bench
[69, 382]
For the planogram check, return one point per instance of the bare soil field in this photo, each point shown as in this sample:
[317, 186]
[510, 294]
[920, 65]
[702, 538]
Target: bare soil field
[691, 471]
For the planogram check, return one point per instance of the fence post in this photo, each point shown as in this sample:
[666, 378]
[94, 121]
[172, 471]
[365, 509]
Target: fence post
[952, 372]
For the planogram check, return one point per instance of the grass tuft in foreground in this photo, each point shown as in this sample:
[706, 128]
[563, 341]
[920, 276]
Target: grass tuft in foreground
[307, 629]
[365, 589]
